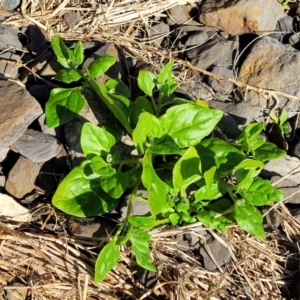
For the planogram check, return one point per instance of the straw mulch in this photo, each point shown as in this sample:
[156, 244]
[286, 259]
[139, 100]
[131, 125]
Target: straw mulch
[61, 267]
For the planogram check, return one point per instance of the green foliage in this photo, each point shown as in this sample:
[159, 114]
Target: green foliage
[206, 179]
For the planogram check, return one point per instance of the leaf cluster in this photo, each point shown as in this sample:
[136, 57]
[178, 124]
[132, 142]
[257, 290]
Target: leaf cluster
[209, 180]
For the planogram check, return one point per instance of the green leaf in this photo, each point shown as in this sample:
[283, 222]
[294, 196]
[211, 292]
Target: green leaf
[81, 196]
[165, 75]
[216, 191]
[115, 185]
[116, 86]
[63, 106]
[99, 66]
[140, 247]
[142, 222]
[209, 177]
[147, 125]
[101, 167]
[219, 153]
[249, 219]
[268, 151]
[283, 117]
[95, 140]
[209, 219]
[187, 170]
[63, 54]
[188, 124]
[146, 82]
[141, 104]
[261, 192]
[107, 259]
[119, 109]
[78, 53]
[165, 146]
[174, 219]
[68, 75]
[157, 189]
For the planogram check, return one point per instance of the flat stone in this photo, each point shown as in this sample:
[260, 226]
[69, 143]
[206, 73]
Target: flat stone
[2, 182]
[159, 29]
[289, 188]
[57, 132]
[10, 4]
[147, 278]
[273, 66]
[9, 37]
[25, 108]
[11, 210]
[222, 86]
[9, 69]
[71, 19]
[3, 154]
[180, 14]
[37, 146]
[21, 177]
[241, 16]
[220, 254]
[51, 68]
[229, 127]
[191, 240]
[196, 38]
[284, 28]
[272, 219]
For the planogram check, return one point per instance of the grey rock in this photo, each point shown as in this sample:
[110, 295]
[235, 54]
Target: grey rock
[25, 110]
[296, 150]
[147, 278]
[51, 68]
[159, 29]
[241, 16]
[271, 65]
[191, 240]
[21, 178]
[216, 51]
[283, 166]
[179, 14]
[229, 127]
[219, 253]
[198, 27]
[3, 154]
[197, 38]
[10, 4]
[56, 132]
[9, 37]
[294, 40]
[2, 182]
[72, 19]
[37, 146]
[9, 69]
[221, 86]
[284, 27]
[289, 188]
[38, 43]
[242, 112]
[272, 218]
[17, 293]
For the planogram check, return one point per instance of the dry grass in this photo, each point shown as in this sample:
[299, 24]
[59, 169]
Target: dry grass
[61, 267]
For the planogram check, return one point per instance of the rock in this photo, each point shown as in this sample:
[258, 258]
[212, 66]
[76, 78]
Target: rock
[216, 50]
[272, 219]
[289, 188]
[191, 240]
[51, 68]
[180, 14]
[271, 65]
[283, 29]
[3, 154]
[221, 86]
[17, 293]
[147, 278]
[159, 29]
[9, 38]
[41, 92]
[242, 112]
[229, 127]
[219, 253]
[296, 150]
[57, 132]
[25, 110]
[90, 227]
[9, 69]
[72, 19]
[2, 182]
[38, 43]
[241, 16]
[294, 41]
[21, 177]
[37, 146]
[11, 210]
[283, 166]
[197, 38]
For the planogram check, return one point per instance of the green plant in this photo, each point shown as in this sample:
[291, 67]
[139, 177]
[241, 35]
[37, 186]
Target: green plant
[282, 123]
[285, 4]
[209, 180]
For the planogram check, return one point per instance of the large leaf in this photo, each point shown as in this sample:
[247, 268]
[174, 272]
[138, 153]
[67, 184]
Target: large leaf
[100, 167]
[187, 170]
[147, 125]
[63, 106]
[157, 189]
[68, 75]
[81, 196]
[165, 146]
[116, 86]
[95, 140]
[261, 192]
[216, 191]
[99, 66]
[219, 153]
[209, 219]
[146, 82]
[142, 222]
[78, 54]
[119, 109]
[140, 247]
[249, 218]
[63, 54]
[107, 259]
[115, 185]
[267, 152]
[188, 124]
[141, 104]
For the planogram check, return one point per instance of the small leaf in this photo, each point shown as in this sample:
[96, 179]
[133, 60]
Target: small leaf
[142, 222]
[165, 75]
[283, 117]
[165, 146]
[68, 75]
[141, 104]
[78, 53]
[146, 82]
[209, 219]
[249, 219]
[115, 185]
[140, 247]
[157, 189]
[95, 140]
[99, 66]
[267, 152]
[209, 177]
[63, 106]
[188, 124]
[174, 219]
[116, 86]
[187, 170]
[216, 191]
[101, 167]
[63, 54]
[81, 196]
[107, 259]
